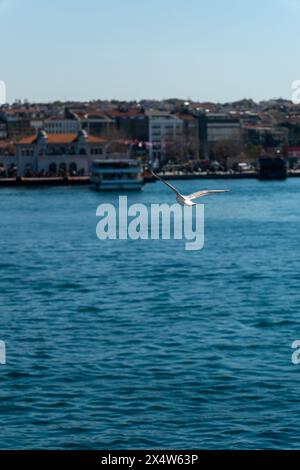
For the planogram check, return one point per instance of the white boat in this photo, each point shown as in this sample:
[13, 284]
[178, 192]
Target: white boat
[117, 175]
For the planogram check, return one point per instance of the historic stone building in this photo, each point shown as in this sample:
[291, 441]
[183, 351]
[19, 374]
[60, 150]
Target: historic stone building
[58, 154]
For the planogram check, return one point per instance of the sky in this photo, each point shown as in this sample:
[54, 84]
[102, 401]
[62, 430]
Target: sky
[216, 50]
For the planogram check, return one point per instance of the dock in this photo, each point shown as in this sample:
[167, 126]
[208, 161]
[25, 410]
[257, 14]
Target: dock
[85, 180]
[54, 181]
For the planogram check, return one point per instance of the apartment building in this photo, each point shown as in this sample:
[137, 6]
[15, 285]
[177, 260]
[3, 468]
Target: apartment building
[165, 132]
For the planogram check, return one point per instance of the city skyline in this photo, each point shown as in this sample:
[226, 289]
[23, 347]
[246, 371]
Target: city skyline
[220, 52]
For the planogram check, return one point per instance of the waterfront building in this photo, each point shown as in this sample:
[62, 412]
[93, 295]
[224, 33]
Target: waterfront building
[215, 127]
[266, 136]
[190, 134]
[165, 135]
[52, 154]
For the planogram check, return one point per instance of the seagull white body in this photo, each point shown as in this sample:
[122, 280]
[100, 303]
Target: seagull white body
[188, 200]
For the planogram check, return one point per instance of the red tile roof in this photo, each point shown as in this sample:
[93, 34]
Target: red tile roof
[59, 118]
[133, 112]
[61, 139]
[185, 117]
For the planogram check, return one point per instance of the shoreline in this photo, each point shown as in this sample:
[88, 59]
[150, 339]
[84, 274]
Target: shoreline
[85, 180]
[54, 181]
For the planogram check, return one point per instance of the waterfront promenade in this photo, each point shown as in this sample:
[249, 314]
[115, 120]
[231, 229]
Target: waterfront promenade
[85, 180]
[48, 181]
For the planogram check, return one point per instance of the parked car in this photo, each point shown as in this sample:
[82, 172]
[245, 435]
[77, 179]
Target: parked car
[210, 165]
[243, 167]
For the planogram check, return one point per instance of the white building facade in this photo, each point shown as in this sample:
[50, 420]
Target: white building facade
[58, 154]
[164, 130]
[62, 126]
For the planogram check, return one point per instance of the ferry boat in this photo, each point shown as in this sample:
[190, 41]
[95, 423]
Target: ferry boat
[272, 168]
[117, 175]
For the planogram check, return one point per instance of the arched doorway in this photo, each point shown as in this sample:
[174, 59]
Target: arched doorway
[73, 168]
[52, 169]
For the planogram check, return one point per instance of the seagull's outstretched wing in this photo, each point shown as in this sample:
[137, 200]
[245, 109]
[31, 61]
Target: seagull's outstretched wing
[165, 182]
[206, 193]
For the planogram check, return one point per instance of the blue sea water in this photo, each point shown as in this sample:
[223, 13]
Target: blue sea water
[141, 344]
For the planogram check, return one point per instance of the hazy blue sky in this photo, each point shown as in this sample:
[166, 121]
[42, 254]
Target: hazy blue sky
[216, 50]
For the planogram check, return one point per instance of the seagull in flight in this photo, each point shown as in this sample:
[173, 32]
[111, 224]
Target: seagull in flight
[188, 200]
